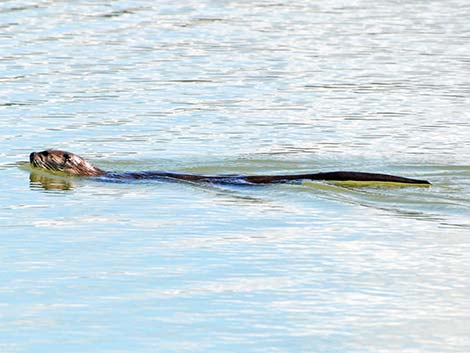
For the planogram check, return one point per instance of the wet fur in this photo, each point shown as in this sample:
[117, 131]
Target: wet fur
[64, 162]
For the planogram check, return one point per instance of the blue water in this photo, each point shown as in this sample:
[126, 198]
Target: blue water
[252, 87]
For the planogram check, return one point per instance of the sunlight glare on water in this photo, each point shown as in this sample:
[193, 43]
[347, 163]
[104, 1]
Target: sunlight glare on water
[237, 87]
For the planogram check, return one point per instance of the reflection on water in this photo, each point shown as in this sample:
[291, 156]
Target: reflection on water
[40, 180]
[248, 87]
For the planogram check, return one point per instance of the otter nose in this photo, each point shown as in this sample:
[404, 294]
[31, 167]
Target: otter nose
[31, 157]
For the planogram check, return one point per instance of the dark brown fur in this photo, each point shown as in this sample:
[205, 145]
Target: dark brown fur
[72, 164]
[64, 162]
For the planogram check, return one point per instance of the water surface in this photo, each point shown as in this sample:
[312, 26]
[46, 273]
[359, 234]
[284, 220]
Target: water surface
[236, 87]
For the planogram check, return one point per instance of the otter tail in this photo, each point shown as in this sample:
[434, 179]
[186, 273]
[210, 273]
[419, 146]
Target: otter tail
[336, 176]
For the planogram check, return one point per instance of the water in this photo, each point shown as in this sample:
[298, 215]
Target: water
[235, 87]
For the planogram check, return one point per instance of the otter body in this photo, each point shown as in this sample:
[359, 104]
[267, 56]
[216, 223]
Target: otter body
[74, 165]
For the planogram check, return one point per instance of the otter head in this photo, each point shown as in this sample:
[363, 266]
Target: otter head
[64, 162]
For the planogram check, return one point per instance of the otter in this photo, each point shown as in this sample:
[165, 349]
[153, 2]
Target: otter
[73, 165]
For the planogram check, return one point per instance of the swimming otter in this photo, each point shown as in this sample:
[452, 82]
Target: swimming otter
[71, 164]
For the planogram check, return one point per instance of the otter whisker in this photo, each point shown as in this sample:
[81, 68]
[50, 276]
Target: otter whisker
[49, 166]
